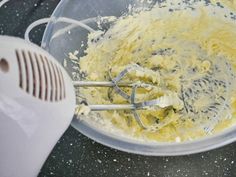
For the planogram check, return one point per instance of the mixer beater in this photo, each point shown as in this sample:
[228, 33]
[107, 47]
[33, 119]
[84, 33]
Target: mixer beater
[116, 83]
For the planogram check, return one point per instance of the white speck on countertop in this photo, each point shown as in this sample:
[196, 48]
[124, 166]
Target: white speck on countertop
[232, 162]
[178, 171]
[225, 159]
[177, 139]
[114, 160]
[65, 63]
[99, 161]
[128, 159]
[148, 173]
[167, 160]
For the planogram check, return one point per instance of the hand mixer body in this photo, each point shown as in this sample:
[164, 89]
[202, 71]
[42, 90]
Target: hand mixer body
[37, 102]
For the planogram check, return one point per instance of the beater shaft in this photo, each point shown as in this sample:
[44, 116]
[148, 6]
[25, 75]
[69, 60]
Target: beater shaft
[107, 107]
[101, 84]
[112, 107]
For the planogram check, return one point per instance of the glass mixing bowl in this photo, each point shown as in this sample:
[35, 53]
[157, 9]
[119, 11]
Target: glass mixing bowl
[60, 38]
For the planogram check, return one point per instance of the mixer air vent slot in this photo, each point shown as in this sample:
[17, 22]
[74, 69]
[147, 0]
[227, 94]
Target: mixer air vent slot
[40, 77]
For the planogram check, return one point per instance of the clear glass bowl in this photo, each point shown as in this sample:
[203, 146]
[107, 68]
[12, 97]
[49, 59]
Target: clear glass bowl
[70, 40]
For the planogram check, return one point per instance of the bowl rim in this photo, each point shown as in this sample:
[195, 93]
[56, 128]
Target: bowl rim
[157, 148]
[207, 143]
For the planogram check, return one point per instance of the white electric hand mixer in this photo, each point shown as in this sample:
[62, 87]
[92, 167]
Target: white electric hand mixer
[37, 103]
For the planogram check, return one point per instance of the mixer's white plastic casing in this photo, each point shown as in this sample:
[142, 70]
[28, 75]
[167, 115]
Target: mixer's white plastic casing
[36, 107]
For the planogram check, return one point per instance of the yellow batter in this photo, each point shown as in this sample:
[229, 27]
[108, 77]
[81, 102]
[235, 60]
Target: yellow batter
[231, 4]
[183, 50]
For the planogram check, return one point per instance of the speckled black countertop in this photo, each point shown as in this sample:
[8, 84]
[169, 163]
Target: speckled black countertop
[78, 156]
